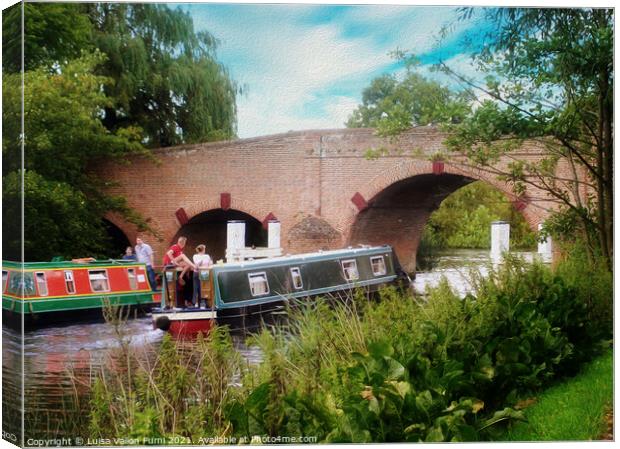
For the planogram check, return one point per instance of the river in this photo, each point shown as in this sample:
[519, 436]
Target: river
[53, 356]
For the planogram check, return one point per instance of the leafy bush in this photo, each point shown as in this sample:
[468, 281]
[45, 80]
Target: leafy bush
[440, 370]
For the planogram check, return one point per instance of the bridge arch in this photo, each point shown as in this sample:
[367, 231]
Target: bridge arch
[209, 228]
[401, 200]
[118, 238]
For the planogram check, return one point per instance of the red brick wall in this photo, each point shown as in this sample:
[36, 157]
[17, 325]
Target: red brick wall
[306, 179]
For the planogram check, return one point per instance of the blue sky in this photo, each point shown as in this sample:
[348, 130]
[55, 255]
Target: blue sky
[305, 66]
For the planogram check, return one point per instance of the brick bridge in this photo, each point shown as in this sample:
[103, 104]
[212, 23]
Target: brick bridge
[321, 185]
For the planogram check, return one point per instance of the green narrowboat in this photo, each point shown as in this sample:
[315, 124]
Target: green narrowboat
[235, 290]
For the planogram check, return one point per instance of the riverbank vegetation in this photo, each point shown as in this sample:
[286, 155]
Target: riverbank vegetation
[396, 368]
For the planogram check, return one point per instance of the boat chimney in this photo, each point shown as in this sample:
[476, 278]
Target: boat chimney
[545, 248]
[500, 240]
[235, 235]
[273, 239]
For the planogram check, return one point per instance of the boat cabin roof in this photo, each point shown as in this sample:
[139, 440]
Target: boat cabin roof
[67, 264]
[306, 257]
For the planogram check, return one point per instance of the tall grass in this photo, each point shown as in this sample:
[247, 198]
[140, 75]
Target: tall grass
[178, 389]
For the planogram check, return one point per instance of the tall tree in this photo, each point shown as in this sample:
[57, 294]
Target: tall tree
[102, 81]
[551, 79]
[166, 77]
[53, 33]
[64, 136]
[393, 106]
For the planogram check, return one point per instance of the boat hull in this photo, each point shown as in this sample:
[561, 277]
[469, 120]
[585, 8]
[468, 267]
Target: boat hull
[15, 319]
[182, 323]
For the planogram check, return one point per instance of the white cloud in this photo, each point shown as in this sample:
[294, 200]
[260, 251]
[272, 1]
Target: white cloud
[461, 65]
[286, 67]
[301, 73]
[340, 108]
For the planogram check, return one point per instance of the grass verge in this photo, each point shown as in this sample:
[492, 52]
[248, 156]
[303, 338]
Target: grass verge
[572, 410]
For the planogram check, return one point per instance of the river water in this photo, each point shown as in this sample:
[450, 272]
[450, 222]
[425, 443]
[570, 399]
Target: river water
[53, 356]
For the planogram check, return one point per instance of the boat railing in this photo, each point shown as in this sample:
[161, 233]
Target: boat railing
[170, 278]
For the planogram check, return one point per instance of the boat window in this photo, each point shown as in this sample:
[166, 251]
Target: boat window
[258, 283]
[41, 283]
[350, 270]
[131, 274]
[378, 265]
[296, 275]
[5, 275]
[21, 283]
[69, 282]
[99, 280]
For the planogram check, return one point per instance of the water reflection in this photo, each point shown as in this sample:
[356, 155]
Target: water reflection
[456, 267]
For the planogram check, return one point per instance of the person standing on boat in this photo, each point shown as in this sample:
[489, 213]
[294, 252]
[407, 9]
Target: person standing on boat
[174, 256]
[129, 255]
[144, 253]
[203, 262]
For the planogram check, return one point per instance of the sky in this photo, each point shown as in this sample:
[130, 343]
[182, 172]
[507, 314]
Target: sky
[305, 66]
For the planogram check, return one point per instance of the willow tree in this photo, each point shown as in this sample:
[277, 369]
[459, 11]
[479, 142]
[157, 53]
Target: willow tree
[102, 81]
[166, 77]
[62, 201]
[53, 33]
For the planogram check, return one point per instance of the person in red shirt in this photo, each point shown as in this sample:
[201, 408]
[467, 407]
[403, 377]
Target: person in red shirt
[174, 256]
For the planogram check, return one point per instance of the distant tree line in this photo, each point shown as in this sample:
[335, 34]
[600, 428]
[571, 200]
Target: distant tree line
[463, 220]
[101, 81]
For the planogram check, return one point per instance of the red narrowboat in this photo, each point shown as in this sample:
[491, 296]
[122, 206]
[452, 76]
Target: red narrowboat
[45, 291]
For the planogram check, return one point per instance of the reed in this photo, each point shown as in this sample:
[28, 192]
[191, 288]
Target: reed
[177, 389]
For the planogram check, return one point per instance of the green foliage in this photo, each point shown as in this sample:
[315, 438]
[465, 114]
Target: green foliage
[166, 78]
[550, 80]
[101, 81]
[443, 370]
[70, 227]
[393, 106]
[463, 220]
[63, 202]
[182, 392]
[550, 77]
[54, 33]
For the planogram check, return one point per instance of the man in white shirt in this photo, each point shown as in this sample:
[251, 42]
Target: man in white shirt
[144, 253]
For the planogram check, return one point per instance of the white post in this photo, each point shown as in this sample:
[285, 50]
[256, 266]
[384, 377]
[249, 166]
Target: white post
[545, 248]
[500, 240]
[273, 240]
[235, 238]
